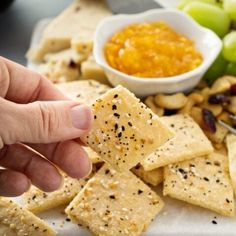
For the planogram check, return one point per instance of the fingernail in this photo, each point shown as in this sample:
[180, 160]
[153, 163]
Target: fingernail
[81, 116]
[89, 170]
[62, 183]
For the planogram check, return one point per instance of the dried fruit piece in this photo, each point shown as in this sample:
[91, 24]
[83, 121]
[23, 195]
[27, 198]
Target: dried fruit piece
[218, 99]
[233, 89]
[209, 121]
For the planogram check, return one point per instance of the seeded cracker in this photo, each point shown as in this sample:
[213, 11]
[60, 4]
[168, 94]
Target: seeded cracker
[189, 142]
[203, 182]
[21, 221]
[231, 146]
[37, 201]
[114, 203]
[93, 156]
[124, 129]
[91, 70]
[83, 91]
[153, 177]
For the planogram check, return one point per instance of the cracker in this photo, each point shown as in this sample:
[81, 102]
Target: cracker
[93, 156]
[153, 177]
[38, 201]
[74, 21]
[114, 203]
[91, 70]
[83, 91]
[6, 231]
[189, 142]
[67, 56]
[59, 72]
[124, 129]
[82, 45]
[203, 182]
[231, 146]
[21, 221]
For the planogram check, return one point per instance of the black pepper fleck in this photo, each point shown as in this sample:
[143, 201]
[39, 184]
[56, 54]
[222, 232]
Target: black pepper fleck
[214, 222]
[140, 191]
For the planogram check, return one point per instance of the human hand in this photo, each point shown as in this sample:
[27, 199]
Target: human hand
[35, 122]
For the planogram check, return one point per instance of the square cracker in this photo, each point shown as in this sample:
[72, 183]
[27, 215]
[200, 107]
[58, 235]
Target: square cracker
[189, 142]
[114, 203]
[58, 72]
[20, 221]
[37, 201]
[93, 156]
[79, 20]
[153, 177]
[231, 146]
[203, 182]
[67, 56]
[91, 70]
[124, 129]
[83, 91]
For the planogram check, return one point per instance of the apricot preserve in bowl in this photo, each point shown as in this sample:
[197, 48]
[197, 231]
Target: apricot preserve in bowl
[149, 50]
[158, 51]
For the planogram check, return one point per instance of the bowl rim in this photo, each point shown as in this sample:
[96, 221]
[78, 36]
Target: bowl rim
[185, 76]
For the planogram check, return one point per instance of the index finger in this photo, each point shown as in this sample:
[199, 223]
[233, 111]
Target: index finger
[21, 85]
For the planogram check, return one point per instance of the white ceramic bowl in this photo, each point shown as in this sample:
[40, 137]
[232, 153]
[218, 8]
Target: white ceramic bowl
[205, 40]
[168, 3]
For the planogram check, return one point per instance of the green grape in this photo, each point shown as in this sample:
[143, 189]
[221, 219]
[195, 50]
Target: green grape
[183, 3]
[233, 25]
[209, 16]
[230, 7]
[229, 46]
[216, 70]
[231, 69]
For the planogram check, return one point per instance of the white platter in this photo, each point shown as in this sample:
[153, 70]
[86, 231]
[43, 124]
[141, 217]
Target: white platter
[177, 218]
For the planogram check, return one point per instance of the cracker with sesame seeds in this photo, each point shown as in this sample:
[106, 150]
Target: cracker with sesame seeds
[153, 177]
[6, 231]
[20, 221]
[124, 129]
[83, 91]
[204, 182]
[93, 156]
[115, 203]
[38, 201]
[231, 146]
[189, 142]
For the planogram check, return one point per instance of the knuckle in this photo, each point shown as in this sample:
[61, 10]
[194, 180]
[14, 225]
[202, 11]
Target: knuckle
[7, 136]
[48, 121]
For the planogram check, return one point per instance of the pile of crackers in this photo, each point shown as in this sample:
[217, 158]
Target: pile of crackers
[134, 146]
[132, 151]
[64, 52]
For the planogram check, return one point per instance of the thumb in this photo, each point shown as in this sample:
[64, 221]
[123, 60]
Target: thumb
[43, 122]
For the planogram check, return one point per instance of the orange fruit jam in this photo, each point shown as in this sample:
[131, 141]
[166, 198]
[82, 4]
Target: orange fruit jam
[151, 50]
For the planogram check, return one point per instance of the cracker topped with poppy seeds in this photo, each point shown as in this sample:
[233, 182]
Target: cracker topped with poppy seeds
[83, 91]
[189, 142]
[231, 146]
[125, 131]
[203, 182]
[153, 177]
[115, 203]
[38, 201]
[19, 221]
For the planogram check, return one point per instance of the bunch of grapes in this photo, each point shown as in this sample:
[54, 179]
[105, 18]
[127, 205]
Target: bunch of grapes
[219, 16]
